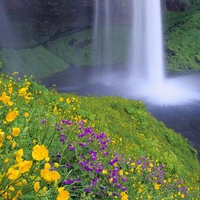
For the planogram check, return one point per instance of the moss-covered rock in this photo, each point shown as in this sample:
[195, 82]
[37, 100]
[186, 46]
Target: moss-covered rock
[79, 48]
[37, 61]
[182, 37]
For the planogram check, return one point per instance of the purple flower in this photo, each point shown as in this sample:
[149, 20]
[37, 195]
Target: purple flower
[58, 156]
[81, 144]
[71, 147]
[112, 162]
[62, 138]
[87, 190]
[68, 182]
[43, 121]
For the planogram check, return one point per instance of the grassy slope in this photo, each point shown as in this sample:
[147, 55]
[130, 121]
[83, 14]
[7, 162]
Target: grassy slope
[35, 61]
[182, 35]
[133, 131]
[82, 49]
[141, 133]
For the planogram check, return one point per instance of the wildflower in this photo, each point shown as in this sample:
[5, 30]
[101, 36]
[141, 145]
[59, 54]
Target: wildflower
[104, 171]
[61, 99]
[4, 98]
[157, 186]
[68, 182]
[56, 164]
[15, 131]
[13, 174]
[182, 196]
[26, 114]
[43, 121]
[62, 194]
[121, 172]
[151, 165]
[40, 152]
[10, 103]
[149, 197]
[14, 144]
[1, 137]
[10, 89]
[11, 116]
[48, 175]
[44, 189]
[67, 100]
[24, 166]
[9, 137]
[124, 196]
[19, 155]
[6, 160]
[36, 186]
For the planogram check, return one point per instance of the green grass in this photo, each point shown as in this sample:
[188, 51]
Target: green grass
[141, 143]
[182, 38]
[35, 61]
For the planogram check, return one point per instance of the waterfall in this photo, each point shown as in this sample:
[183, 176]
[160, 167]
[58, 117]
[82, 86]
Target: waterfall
[146, 77]
[101, 33]
[147, 61]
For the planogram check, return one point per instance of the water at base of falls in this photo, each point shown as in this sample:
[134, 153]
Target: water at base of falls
[144, 79]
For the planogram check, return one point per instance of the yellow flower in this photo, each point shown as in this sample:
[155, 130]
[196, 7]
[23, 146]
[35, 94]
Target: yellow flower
[9, 137]
[40, 152]
[149, 197]
[151, 165]
[26, 114]
[62, 194]
[121, 172]
[182, 196]
[24, 166]
[19, 155]
[169, 180]
[44, 189]
[14, 144]
[23, 91]
[10, 89]
[56, 164]
[124, 196]
[6, 160]
[4, 98]
[13, 174]
[140, 190]
[36, 186]
[61, 99]
[1, 137]
[104, 171]
[157, 186]
[67, 100]
[131, 170]
[11, 116]
[48, 175]
[15, 131]
[10, 103]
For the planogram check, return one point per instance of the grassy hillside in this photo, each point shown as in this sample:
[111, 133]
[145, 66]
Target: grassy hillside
[182, 36]
[53, 146]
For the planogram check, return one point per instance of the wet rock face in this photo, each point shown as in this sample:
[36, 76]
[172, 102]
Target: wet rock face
[177, 5]
[34, 22]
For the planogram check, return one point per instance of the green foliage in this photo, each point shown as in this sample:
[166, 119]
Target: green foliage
[36, 61]
[182, 36]
[107, 142]
[78, 48]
